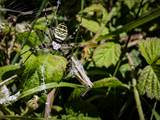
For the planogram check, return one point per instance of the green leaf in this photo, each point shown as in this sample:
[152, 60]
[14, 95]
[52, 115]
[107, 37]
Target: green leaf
[76, 93]
[124, 68]
[31, 81]
[57, 108]
[156, 114]
[150, 49]
[148, 82]
[134, 54]
[48, 86]
[79, 116]
[41, 24]
[99, 10]
[33, 39]
[71, 114]
[43, 68]
[107, 54]
[133, 24]
[109, 82]
[131, 3]
[8, 70]
[92, 25]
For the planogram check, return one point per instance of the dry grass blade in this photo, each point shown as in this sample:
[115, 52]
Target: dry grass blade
[49, 102]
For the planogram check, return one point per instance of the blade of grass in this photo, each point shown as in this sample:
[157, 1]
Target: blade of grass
[133, 24]
[44, 3]
[48, 86]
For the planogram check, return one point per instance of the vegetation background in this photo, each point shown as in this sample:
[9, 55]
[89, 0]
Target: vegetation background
[117, 41]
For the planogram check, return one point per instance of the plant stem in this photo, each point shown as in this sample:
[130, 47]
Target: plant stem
[137, 100]
[133, 24]
[153, 109]
[5, 82]
[117, 67]
[135, 91]
[124, 50]
[43, 5]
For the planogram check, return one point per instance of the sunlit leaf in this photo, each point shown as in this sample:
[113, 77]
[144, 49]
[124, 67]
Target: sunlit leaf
[148, 82]
[92, 25]
[109, 82]
[107, 54]
[99, 9]
[130, 3]
[41, 23]
[57, 108]
[33, 39]
[43, 68]
[150, 49]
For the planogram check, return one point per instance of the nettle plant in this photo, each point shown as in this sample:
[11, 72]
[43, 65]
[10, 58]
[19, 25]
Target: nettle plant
[118, 70]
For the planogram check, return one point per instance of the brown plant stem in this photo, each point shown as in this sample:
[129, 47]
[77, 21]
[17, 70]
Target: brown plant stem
[50, 99]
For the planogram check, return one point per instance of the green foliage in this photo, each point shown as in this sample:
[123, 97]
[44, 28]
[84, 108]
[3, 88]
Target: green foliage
[79, 116]
[43, 68]
[155, 113]
[33, 39]
[134, 54]
[150, 50]
[148, 82]
[109, 82]
[10, 69]
[124, 69]
[149, 77]
[130, 4]
[92, 25]
[95, 28]
[133, 24]
[47, 86]
[107, 54]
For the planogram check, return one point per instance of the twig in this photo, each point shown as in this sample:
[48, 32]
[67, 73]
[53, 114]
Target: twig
[135, 91]
[27, 12]
[134, 43]
[43, 5]
[11, 46]
[126, 44]
[15, 11]
[7, 80]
